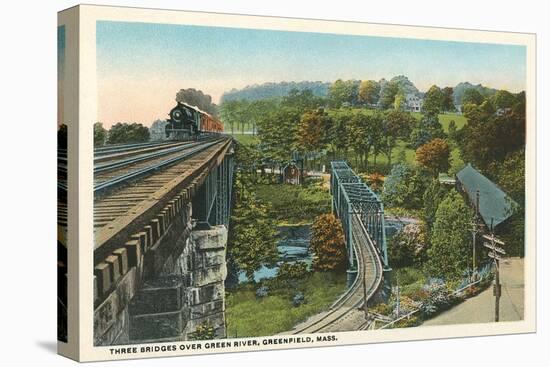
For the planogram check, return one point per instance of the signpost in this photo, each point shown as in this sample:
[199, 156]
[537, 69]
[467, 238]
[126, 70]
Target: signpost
[494, 245]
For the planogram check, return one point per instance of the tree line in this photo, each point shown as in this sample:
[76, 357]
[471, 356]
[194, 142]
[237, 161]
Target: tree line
[120, 133]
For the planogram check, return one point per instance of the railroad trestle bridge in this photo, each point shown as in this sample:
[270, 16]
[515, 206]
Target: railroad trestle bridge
[361, 213]
[161, 216]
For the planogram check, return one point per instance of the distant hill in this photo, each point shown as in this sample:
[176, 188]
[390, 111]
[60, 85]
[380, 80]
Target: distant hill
[460, 88]
[270, 90]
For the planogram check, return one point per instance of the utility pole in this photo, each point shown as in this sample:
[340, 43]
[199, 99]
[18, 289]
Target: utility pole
[475, 229]
[365, 306]
[398, 296]
[494, 245]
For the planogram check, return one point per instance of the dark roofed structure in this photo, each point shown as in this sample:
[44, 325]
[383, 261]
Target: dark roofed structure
[494, 204]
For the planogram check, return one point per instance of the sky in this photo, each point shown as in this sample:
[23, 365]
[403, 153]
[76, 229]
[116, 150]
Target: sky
[141, 66]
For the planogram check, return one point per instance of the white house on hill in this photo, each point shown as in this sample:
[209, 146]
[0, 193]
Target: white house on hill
[414, 102]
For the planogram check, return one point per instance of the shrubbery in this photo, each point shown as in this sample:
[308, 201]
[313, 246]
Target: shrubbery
[328, 244]
[408, 247]
[205, 331]
[439, 298]
[289, 274]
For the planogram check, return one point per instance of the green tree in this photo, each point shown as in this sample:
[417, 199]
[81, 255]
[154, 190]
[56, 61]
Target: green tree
[259, 108]
[124, 133]
[472, 96]
[369, 92]
[328, 244]
[290, 274]
[366, 133]
[229, 113]
[450, 250]
[434, 100]
[426, 129]
[388, 94]
[340, 135]
[434, 156]
[100, 134]
[432, 197]
[404, 187]
[249, 159]
[408, 247]
[400, 102]
[342, 92]
[304, 100]
[489, 137]
[448, 99]
[503, 99]
[312, 131]
[278, 133]
[396, 125]
[510, 176]
[453, 133]
[253, 240]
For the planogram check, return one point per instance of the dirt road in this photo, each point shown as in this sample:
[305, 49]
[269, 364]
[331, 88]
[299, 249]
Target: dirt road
[481, 308]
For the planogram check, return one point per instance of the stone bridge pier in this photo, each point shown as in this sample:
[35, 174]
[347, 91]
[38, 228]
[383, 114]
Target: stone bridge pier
[174, 269]
[185, 291]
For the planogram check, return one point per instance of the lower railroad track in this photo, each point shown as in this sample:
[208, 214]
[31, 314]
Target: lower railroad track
[345, 313]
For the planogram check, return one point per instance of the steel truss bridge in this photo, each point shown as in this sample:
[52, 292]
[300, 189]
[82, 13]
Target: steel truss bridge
[358, 206]
[362, 216]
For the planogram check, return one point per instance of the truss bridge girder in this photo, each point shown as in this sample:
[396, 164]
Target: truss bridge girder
[352, 196]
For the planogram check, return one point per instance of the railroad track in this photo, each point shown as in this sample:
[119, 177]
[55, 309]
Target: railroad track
[369, 278]
[121, 148]
[114, 173]
[127, 175]
[139, 181]
[120, 154]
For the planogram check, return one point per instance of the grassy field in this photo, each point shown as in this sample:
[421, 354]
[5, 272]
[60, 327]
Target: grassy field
[246, 139]
[248, 316]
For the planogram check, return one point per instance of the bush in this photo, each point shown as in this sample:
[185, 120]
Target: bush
[406, 305]
[382, 309]
[408, 247]
[328, 244]
[407, 322]
[289, 274]
[124, 133]
[404, 187]
[262, 292]
[419, 295]
[298, 299]
[439, 298]
[205, 331]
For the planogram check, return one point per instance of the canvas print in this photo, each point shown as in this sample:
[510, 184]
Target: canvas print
[254, 182]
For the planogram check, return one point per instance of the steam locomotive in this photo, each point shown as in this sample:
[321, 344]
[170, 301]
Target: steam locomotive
[188, 121]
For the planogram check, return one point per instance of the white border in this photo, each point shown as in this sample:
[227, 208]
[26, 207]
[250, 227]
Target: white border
[88, 115]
